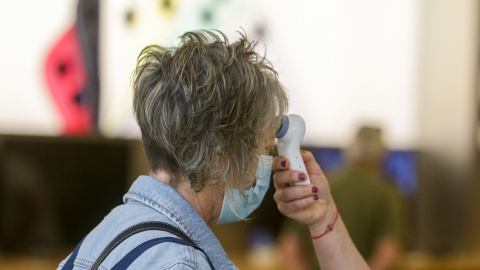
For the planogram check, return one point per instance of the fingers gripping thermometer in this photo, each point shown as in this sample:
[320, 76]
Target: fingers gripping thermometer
[290, 137]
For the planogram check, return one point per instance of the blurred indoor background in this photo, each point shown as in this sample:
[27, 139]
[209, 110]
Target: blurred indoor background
[69, 145]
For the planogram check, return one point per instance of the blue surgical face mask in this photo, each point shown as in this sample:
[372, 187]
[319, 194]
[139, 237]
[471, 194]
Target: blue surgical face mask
[235, 208]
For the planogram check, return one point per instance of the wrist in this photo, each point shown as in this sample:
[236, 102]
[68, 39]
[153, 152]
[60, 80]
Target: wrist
[327, 224]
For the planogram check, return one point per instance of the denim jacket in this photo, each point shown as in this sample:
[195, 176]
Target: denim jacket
[151, 200]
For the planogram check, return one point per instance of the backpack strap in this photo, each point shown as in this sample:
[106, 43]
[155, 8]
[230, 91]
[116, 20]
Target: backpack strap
[126, 261]
[69, 263]
[145, 226]
[135, 253]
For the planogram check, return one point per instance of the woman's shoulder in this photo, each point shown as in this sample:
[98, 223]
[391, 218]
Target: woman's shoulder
[164, 255]
[160, 257]
[171, 256]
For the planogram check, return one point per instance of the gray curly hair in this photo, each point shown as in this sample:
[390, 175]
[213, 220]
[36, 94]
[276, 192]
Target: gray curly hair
[203, 108]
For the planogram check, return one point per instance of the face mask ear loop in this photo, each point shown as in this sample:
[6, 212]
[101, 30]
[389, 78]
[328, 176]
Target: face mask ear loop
[221, 177]
[259, 158]
[263, 161]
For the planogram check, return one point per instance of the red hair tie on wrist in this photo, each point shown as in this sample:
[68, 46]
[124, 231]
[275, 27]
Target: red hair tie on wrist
[329, 228]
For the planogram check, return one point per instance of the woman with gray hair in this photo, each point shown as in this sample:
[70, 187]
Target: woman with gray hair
[208, 111]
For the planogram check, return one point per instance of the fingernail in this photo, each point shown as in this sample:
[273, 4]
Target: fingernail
[314, 190]
[301, 177]
[315, 197]
[284, 163]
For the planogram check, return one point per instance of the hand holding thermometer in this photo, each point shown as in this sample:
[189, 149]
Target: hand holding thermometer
[290, 137]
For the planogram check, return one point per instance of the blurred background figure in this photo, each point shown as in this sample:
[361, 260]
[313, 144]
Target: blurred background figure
[368, 204]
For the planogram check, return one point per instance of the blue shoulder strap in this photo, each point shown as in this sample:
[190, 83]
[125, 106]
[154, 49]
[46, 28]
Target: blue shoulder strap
[135, 253]
[126, 261]
[69, 263]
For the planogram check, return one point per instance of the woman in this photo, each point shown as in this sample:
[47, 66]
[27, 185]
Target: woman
[208, 111]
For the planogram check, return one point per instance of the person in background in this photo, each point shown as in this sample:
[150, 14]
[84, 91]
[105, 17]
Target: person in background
[369, 205]
[208, 111]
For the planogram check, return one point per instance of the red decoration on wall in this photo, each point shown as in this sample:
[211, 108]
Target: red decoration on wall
[66, 78]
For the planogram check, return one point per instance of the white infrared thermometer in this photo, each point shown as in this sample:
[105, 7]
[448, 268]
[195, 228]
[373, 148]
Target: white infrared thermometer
[289, 138]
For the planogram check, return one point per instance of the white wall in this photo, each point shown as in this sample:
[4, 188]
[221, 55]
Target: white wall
[344, 62]
[449, 78]
[29, 30]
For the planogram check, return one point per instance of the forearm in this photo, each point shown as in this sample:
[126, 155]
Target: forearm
[335, 250]
[313, 205]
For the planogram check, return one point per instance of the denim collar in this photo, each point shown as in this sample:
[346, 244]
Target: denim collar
[166, 200]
